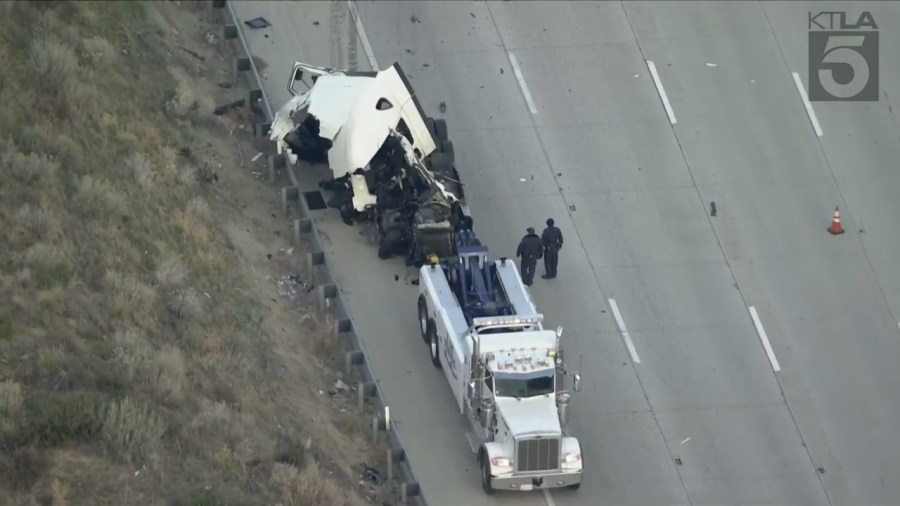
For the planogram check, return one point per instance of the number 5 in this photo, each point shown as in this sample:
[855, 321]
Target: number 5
[840, 50]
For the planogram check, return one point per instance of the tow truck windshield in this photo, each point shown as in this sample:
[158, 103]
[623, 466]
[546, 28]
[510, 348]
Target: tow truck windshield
[524, 385]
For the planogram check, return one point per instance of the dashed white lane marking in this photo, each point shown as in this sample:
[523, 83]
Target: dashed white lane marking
[764, 338]
[662, 91]
[548, 498]
[624, 331]
[518, 72]
[809, 110]
[351, 4]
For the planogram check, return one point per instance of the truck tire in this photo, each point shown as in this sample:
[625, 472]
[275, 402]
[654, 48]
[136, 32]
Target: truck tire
[390, 242]
[486, 481]
[434, 345]
[424, 320]
[429, 124]
[447, 149]
[440, 129]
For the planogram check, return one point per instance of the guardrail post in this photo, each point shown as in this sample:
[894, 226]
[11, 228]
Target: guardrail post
[326, 293]
[408, 489]
[364, 390]
[288, 195]
[394, 456]
[352, 358]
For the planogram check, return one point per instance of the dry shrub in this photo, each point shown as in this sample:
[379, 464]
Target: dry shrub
[40, 223]
[171, 271]
[183, 101]
[81, 96]
[130, 297]
[194, 224]
[52, 60]
[10, 406]
[97, 197]
[21, 467]
[31, 169]
[167, 376]
[59, 493]
[186, 304]
[131, 430]
[96, 49]
[141, 168]
[305, 487]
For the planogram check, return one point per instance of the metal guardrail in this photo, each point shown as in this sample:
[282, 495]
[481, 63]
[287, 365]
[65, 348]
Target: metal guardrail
[330, 300]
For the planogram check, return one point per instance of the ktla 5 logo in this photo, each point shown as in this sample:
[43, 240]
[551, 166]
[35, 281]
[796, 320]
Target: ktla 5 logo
[843, 57]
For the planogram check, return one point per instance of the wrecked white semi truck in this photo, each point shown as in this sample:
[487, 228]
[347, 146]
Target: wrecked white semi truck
[394, 167]
[391, 165]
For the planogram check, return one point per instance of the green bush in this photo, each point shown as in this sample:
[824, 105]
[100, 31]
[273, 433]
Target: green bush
[55, 418]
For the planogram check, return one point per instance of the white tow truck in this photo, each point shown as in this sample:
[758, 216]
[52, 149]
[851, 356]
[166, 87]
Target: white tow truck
[505, 370]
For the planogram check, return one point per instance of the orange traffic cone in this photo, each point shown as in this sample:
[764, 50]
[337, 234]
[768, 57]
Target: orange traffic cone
[836, 227]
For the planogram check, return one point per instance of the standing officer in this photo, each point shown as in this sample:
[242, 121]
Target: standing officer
[530, 250]
[552, 240]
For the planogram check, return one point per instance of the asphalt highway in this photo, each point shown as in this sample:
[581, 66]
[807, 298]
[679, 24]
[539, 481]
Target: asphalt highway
[689, 396]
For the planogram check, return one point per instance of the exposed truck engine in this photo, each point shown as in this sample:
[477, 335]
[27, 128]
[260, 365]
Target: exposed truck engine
[392, 167]
[505, 370]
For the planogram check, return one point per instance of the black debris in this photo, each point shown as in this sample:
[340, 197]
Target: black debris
[225, 86]
[414, 19]
[821, 470]
[501, 70]
[409, 51]
[259, 22]
[712, 208]
[374, 476]
[194, 54]
[268, 256]
[572, 207]
[443, 106]
[315, 23]
[678, 460]
[396, 277]
[559, 174]
[425, 65]
[472, 14]
[414, 282]
[226, 108]
[266, 35]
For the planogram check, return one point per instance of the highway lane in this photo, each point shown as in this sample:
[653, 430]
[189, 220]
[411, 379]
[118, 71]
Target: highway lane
[822, 298]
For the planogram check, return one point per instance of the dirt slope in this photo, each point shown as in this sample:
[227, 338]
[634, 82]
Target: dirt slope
[157, 342]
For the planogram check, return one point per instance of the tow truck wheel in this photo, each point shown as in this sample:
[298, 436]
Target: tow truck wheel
[434, 345]
[486, 482]
[423, 317]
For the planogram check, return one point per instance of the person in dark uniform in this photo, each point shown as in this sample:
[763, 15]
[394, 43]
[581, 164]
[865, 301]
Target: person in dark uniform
[552, 240]
[530, 250]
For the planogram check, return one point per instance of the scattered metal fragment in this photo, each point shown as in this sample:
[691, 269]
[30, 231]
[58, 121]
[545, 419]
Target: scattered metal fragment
[678, 461]
[443, 106]
[572, 207]
[315, 23]
[259, 22]
[414, 19]
[374, 476]
[255, 158]
[712, 208]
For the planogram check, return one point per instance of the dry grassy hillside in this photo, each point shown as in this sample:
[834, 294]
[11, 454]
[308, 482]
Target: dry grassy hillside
[146, 354]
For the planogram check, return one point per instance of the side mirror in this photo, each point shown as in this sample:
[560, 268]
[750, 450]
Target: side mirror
[576, 382]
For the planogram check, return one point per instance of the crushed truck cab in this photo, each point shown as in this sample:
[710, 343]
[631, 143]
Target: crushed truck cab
[391, 165]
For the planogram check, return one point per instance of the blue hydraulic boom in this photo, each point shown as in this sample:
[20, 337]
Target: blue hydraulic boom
[473, 278]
